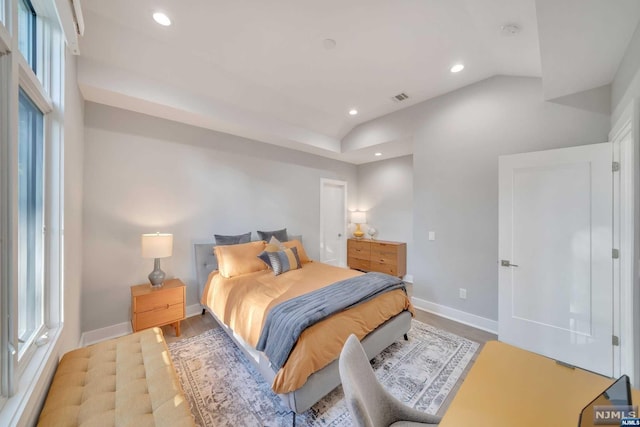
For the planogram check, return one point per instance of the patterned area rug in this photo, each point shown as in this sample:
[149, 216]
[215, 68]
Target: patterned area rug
[224, 389]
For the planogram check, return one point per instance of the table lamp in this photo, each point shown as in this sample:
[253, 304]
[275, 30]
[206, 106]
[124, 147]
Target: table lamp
[156, 246]
[358, 218]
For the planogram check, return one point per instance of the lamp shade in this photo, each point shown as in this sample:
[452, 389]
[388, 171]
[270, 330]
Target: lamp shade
[157, 245]
[359, 217]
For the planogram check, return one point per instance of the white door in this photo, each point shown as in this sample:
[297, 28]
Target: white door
[556, 230]
[333, 222]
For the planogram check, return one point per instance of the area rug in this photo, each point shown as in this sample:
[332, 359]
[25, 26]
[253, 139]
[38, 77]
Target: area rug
[224, 389]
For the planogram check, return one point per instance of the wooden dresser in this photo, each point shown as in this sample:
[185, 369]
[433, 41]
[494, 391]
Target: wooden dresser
[158, 306]
[377, 255]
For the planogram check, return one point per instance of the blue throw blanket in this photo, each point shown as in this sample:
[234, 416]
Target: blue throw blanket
[286, 321]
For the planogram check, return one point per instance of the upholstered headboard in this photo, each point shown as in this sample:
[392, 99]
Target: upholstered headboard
[206, 262]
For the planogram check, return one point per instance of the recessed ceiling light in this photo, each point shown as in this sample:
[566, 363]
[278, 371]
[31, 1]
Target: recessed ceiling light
[353, 112]
[329, 44]
[510, 29]
[377, 154]
[162, 19]
[457, 68]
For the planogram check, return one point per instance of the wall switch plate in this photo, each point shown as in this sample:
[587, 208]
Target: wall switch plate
[463, 293]
[432, 235]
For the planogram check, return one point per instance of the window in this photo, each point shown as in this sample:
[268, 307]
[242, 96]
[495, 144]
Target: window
[27, 32]
[31, 211]
[30, 221]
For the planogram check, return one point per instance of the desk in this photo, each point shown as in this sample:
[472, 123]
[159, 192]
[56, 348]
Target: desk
[508, 387]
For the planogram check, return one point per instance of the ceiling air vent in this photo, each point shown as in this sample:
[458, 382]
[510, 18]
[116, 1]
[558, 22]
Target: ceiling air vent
[400, 97]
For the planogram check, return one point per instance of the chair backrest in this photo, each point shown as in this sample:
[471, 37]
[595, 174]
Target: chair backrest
[361, 388]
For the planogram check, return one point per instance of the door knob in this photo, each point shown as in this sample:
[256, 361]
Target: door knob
[339, 234]
[507, 263]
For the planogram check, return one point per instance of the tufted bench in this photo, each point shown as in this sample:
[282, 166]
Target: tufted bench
[127, 381]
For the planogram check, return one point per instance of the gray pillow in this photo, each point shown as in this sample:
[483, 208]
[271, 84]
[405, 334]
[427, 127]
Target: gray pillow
[278, 234]
[232, 240]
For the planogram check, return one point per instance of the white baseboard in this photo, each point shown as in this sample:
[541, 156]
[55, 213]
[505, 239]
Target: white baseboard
[194, 310]
[106, 333]
[459, 316]
[408, 278]
[121, 329]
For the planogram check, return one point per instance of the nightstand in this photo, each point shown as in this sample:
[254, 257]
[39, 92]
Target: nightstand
[158, 306]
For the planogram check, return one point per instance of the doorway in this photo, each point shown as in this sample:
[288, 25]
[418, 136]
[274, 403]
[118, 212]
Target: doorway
[333, 222]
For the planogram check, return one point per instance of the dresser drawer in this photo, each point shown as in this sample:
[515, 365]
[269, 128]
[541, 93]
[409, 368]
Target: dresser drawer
[385, 251]
[359, 264]
[384, 257]
[159, 316]
[391, 269]
[158, 299]
[359, 253]
[358, 249]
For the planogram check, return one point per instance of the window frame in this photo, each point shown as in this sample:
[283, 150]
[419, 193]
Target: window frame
[44, 86]
[28, 346]
[34, 35]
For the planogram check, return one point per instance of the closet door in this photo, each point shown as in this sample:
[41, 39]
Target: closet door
[555, 254]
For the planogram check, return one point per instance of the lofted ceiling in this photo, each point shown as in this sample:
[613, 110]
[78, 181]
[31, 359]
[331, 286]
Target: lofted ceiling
[262, 70]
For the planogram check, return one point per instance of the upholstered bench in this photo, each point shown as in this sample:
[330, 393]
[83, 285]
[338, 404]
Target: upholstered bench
[127, 381]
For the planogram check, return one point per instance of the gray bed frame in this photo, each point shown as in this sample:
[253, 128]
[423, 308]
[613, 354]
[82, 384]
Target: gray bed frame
[325, 380]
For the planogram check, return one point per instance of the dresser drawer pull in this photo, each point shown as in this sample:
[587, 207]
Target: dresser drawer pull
[161, 307]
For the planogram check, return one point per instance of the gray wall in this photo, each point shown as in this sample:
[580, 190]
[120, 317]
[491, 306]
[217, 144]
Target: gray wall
[73, 191]
[385, 191]
[626, 84]
[458, 138]
[144, 174]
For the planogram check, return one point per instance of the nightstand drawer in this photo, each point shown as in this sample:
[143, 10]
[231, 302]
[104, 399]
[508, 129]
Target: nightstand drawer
[391, 269]
[158, 298]
[359, 264]
[159, 316]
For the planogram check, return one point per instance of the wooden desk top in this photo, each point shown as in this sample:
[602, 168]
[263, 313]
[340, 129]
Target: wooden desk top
[508, 386]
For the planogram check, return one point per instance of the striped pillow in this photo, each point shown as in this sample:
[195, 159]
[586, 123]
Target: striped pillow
[283, 261]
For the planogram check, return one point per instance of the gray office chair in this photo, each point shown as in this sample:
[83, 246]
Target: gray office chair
[369, 403]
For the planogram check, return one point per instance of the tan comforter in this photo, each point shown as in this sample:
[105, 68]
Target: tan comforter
[243, 302]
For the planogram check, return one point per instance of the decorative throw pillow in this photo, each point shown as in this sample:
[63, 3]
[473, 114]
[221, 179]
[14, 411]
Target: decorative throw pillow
[278, 234]
[283, 261]
[234, 260]
[274, 245]
[232, 240]
[302, 254]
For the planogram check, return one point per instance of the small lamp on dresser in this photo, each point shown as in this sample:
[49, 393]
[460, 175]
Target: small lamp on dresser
[156, 246]
[358, 218]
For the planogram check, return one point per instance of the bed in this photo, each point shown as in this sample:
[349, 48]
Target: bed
[311, 377]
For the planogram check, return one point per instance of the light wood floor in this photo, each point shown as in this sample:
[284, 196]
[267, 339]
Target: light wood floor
[198, 324]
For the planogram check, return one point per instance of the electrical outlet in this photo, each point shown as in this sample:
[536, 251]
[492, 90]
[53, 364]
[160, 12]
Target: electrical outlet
[463, 293]
[432, 235]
